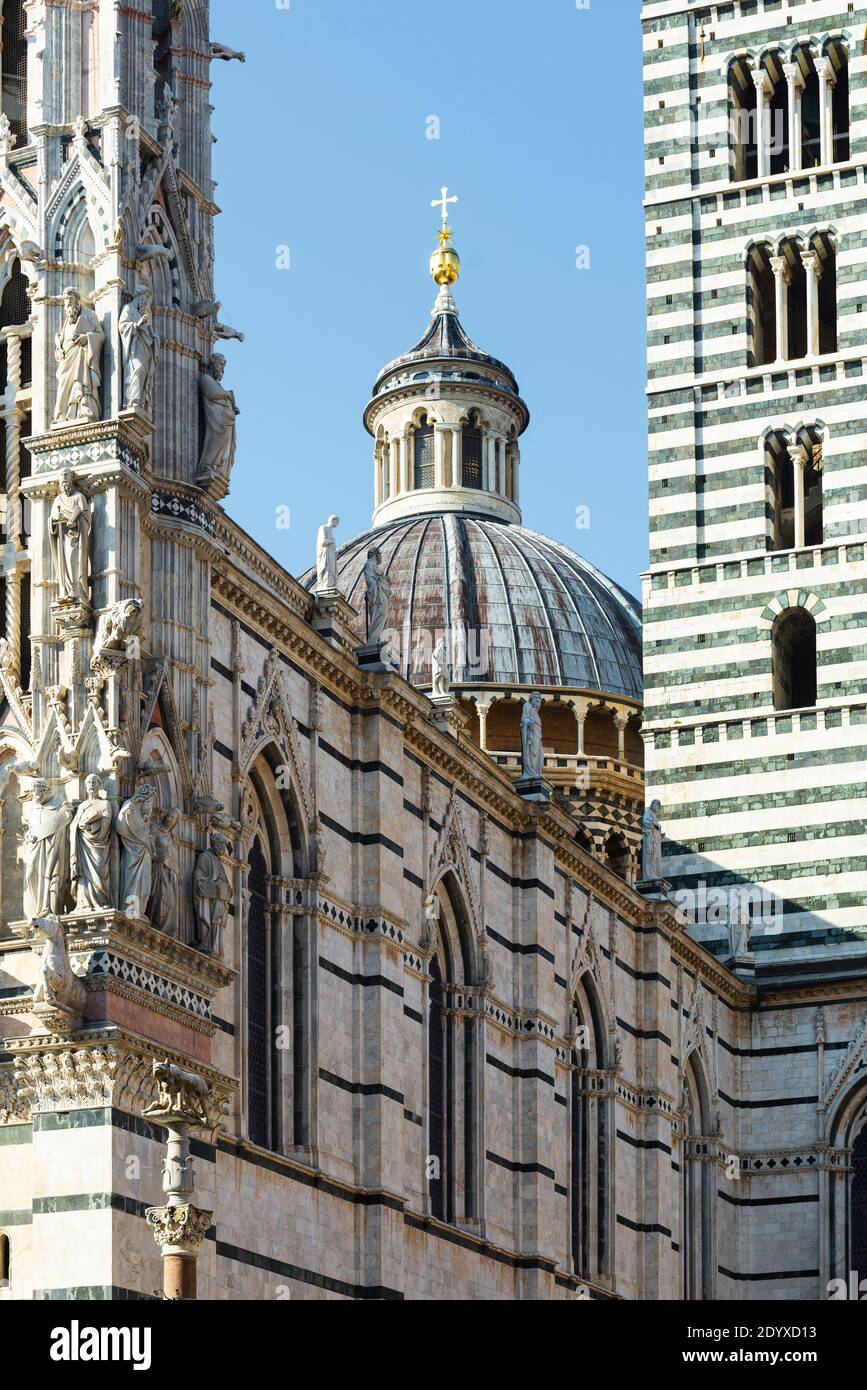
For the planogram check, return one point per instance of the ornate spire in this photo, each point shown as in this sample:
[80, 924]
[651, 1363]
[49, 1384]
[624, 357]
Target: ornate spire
[445, 263]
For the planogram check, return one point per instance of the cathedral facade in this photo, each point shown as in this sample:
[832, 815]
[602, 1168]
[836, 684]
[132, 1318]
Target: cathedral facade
[353, 876]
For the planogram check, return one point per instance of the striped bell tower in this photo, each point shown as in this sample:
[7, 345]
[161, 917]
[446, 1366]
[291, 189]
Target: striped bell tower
[755, 623]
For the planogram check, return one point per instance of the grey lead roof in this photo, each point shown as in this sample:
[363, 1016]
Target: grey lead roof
[536, 613]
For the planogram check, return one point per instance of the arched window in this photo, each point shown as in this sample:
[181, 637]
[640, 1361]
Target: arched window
[590, 1129]
[778, 116]
[452, 1139]
[858, 1203]
[793, 641]
[762, 307]
[743, 119]
[617, 856]
[472, 453]
[14, 64]
[840, 117]
[423, 454]
[5, 1262]
[698, 1176]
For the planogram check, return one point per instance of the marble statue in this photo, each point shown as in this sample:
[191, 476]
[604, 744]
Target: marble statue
[326, 557]
[57, 986]
[90, 849]
[651, 849]
[220, 411]
[46, 852]
[532, 752]
[377, 597]
[740, 925]
[134, 826]
[78, 354]
[164, 893]
[117, 626]
[432, 914]
[212, 893]
[69, 524]
[179, 1093]
[140, 347]
[440, 672]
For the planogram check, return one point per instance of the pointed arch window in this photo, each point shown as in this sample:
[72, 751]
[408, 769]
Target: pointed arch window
[590, 1134]
[697, 1186]
[423, 457]
[453, 1075]
[14, 68]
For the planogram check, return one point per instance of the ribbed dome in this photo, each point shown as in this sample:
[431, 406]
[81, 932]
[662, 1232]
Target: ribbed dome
[548, 618]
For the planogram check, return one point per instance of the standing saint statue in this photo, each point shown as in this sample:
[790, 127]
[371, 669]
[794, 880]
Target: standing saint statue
[220, 410]
[212, 893]
[651, 849]
[326, 557]
[90, 849]
[532, 752]
[440, 672]
[136, 834]
[69, 524]
[78, 354]
[46, 852]
[140, 346]
[377, 597]
[163, 909]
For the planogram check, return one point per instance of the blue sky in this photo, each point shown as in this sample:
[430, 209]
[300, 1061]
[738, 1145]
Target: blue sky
[322, 148]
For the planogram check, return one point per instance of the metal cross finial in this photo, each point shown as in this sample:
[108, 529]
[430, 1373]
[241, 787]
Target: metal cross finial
[443, 202]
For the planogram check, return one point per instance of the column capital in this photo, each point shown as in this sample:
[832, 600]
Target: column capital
[793, 75]
[780, 266]
[762, 79]
[825, 71]
[179, 1230]
[798, 454]
[812, 261]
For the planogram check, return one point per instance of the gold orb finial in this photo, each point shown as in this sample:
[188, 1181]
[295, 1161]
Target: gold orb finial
[445, 263]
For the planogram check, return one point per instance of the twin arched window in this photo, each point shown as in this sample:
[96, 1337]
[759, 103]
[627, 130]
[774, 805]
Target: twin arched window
[277, 955]
[793, 479]
[453, 1081]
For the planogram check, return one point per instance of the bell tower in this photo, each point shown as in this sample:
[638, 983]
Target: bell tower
[754, 627]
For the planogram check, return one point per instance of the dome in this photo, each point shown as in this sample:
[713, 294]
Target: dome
[519, 609]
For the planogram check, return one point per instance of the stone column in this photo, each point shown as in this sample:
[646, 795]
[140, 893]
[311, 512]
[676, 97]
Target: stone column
[798, 455]
[516, 473]
[440, 455]
[782, 280]
[483, 709]
[813, 267]
[827, 83]
[394, 457]
[763, 144]
[490, 462]
[620, 722]
[457, 455]
[795, 81]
